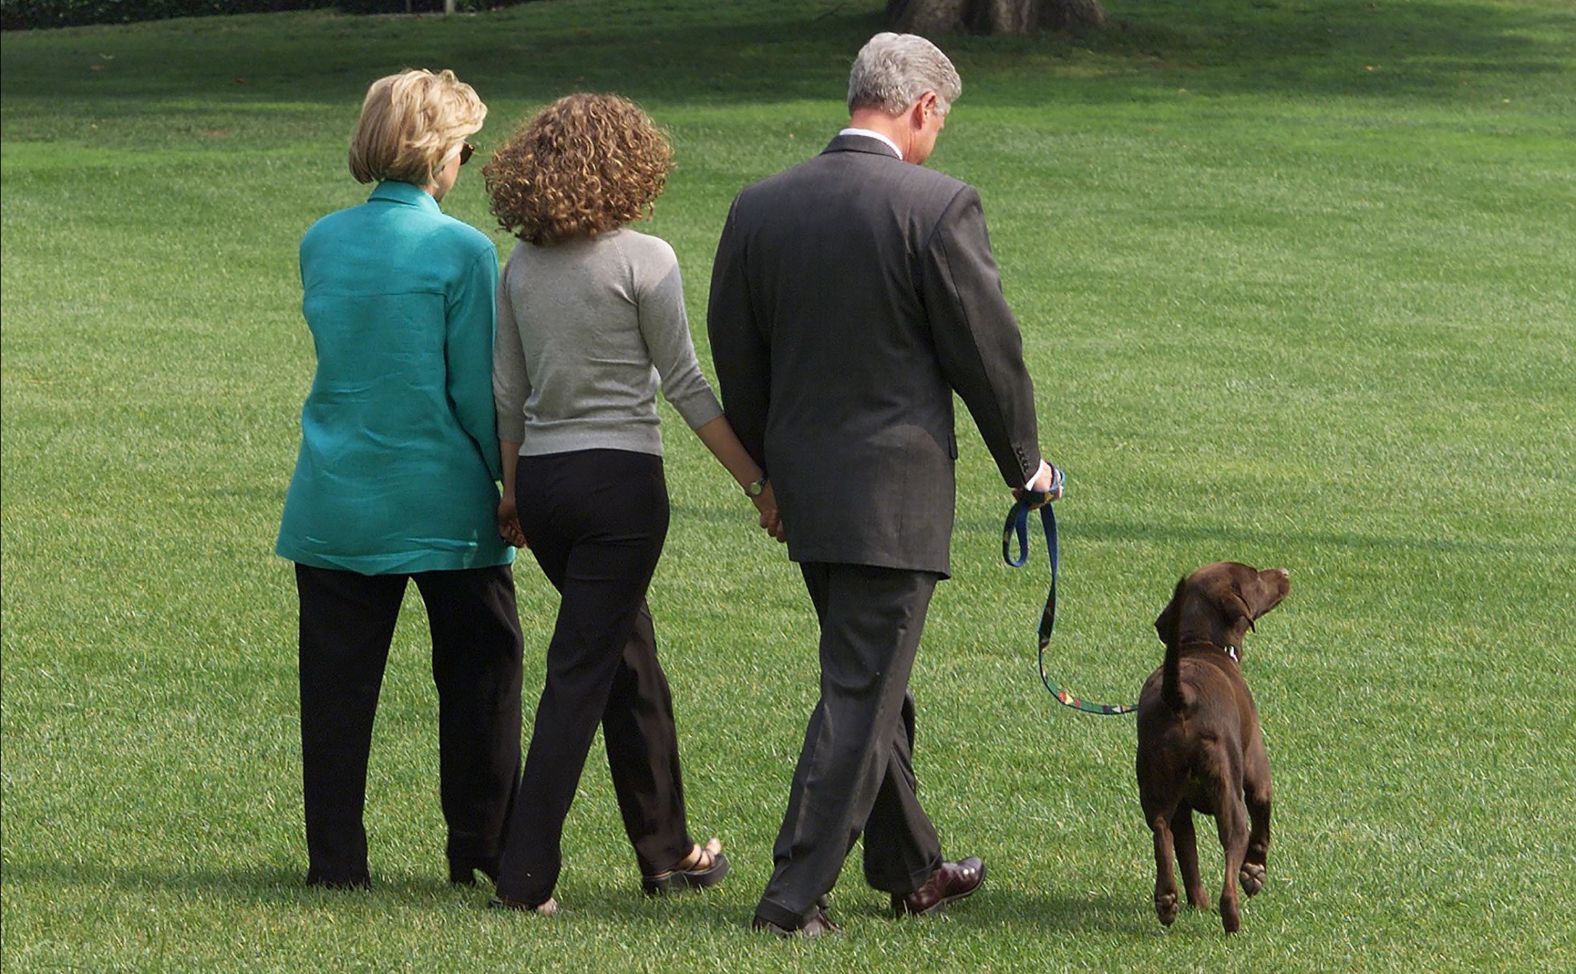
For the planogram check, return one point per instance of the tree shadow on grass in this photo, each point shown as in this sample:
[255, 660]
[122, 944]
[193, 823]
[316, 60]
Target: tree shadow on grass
[1438, 49]
[505, 54]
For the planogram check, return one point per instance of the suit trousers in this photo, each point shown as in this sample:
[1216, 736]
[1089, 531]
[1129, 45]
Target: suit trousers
[596, 521]
[347, 623]
[855, 772]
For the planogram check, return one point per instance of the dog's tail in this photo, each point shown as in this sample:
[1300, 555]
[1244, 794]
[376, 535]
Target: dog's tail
[1166, 628]
[1171, 679]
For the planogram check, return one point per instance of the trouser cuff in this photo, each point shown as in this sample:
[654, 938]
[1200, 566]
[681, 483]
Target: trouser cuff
[783, 916]
[908, 884]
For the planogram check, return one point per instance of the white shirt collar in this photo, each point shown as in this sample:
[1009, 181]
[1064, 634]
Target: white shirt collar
[869, 134]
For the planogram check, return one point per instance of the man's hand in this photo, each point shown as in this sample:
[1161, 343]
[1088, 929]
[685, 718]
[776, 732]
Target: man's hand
[1048, 482]
[771, 522]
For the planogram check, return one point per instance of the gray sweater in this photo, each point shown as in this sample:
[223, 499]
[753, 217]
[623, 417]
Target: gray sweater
[585, 328]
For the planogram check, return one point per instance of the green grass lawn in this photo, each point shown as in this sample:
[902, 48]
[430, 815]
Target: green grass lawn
[1296, 284]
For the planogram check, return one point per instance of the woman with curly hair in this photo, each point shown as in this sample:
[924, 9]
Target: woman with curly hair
[591, 323]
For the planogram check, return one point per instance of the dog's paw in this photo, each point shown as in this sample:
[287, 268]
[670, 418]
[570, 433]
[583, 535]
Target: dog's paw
[1251, 876]
[1230, 916]
[1166, 907]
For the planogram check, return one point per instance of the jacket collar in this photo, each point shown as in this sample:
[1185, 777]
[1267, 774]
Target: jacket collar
[860, 143]
[392, 191]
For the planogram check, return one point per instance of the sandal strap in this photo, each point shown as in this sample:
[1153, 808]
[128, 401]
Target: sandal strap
[700, 859]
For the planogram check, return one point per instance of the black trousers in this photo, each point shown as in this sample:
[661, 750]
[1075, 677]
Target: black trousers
[855, 772]
[596, 521]
[347, 622]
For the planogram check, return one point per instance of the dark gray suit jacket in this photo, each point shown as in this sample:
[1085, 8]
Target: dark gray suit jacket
[850, 296]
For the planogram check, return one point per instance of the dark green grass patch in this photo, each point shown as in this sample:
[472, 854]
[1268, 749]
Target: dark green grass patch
[1295, 280]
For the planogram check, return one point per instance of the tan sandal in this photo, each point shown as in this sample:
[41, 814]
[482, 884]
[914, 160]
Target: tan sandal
[704, 867]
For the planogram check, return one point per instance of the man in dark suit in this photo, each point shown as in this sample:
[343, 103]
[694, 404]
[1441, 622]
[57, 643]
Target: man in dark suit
[850, 297]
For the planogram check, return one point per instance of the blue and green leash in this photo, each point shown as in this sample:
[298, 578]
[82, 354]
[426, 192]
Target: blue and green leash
[1018, 523]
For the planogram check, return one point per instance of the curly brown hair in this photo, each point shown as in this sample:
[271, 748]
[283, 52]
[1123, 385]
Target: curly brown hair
[584, 165]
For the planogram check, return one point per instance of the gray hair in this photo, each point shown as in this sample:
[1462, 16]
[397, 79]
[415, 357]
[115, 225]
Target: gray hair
[893, 70]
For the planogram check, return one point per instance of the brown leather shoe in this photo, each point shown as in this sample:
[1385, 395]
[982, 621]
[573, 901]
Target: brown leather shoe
[952, 881]
[817, 926]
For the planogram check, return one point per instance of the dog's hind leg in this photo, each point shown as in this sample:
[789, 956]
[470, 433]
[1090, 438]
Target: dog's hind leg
[1165, 878]
[1232, 822]
[1187, 856]
[1255, 863]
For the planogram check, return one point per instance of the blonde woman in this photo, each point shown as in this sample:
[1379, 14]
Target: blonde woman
[591, 325]
[397, 480]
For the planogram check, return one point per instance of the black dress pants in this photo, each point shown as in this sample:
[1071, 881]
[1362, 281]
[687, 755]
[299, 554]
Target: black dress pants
[347, 622]
[855, 772]
[596, 521]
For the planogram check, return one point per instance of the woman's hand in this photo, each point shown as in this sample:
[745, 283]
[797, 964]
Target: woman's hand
[509, 522]
[725, 446]
[771, 521]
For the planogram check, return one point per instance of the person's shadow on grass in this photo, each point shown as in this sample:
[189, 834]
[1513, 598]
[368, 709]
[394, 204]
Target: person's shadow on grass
[998, 911]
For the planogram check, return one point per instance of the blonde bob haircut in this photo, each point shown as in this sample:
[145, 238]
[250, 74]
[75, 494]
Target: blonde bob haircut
[409, 124]
[584, 165]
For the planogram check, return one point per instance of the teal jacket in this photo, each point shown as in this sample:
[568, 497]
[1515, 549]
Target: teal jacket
[399, 443]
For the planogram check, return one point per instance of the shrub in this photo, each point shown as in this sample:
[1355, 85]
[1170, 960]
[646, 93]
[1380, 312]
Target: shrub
[24, 14]
[417, 6]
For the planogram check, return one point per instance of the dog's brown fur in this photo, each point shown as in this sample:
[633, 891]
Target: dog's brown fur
[1199, 745]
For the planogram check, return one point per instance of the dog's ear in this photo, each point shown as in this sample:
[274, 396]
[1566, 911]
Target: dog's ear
[1236, 608]
[1166, 621]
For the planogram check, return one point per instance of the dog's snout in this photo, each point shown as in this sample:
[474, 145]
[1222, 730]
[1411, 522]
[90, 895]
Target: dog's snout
[1283, 573]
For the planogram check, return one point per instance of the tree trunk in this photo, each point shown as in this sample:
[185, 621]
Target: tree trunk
[1072, 15]
[1005, 16]
[929, 18]
[935, 17]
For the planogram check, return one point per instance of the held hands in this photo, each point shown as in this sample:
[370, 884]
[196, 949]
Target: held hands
[509, 521]
[771, 522]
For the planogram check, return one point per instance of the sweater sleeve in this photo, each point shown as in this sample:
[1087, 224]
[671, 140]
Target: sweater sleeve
[664, 327]
[468, 353]
[510, 382]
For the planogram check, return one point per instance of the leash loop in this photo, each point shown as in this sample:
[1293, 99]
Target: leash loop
[1018, 524]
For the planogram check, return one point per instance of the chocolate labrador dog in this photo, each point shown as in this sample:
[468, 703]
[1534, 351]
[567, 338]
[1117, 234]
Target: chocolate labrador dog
[1199, 746]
